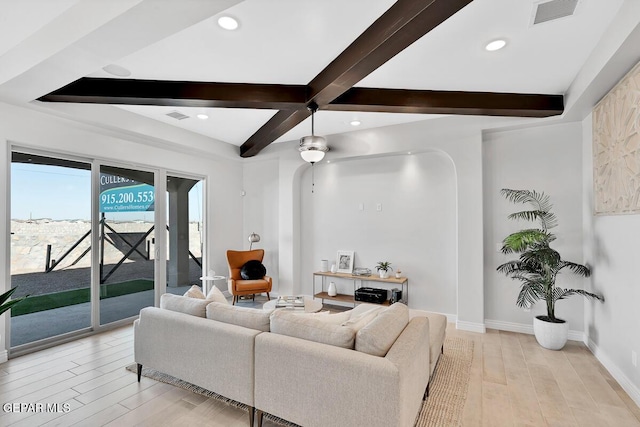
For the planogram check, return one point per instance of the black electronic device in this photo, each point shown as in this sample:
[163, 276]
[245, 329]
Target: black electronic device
[374, 295]
[396, 295]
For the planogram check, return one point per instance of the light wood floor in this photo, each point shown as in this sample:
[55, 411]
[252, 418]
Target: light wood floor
[514, 382]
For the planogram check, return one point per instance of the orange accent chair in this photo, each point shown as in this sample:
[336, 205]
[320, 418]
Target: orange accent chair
[237, 285]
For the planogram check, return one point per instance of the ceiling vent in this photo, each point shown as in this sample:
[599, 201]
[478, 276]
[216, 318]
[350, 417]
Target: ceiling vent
[177, 115]
[551, 10]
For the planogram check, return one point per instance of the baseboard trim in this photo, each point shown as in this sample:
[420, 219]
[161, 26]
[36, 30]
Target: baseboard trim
[4, 356]
[471, 326]
[526, 329]
[627, 385]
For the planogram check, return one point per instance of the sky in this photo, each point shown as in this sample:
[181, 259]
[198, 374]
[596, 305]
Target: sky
[62, 193]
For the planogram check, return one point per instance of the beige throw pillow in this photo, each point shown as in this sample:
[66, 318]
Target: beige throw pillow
[194, 292]
[377, 337]
[357, 322]
[216, 295]
[252, 318]
[324, 329]
[182, 304]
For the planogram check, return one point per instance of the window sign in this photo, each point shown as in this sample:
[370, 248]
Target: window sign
[120, 194]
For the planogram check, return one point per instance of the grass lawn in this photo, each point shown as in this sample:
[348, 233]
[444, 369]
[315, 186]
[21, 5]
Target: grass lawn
[77, 296]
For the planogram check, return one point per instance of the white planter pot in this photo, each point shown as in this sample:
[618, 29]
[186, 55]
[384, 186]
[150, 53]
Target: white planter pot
[383, 274]
[552, 336]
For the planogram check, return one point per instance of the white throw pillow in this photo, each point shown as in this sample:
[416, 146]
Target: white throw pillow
[216, 295]
[194, 292]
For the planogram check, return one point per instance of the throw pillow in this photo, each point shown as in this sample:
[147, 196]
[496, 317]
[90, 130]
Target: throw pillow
[312, 328]
[182, 304]
[359, 321]
[252, 318]
[194, 292]
[377, 337]
[216, 295]
[253, 270]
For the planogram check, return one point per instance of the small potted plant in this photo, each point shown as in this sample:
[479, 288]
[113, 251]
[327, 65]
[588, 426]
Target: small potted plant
[383, 268]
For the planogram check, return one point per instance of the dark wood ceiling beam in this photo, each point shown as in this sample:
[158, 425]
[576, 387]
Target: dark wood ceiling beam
[278, 125]
[400, 26]
[448, 102]
[181, 94]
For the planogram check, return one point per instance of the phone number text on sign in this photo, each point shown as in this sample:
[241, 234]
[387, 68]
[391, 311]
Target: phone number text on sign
[136, 198]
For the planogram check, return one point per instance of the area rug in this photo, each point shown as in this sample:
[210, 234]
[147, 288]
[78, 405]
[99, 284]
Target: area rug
[449, 385]
[443, 407]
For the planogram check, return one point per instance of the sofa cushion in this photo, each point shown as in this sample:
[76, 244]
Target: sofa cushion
[194, 292]
[182, 304]
[216, 295]
[325, 329]
[358, 321]
[253, 270]
[437, 331]
[377, 337]
[252, 318]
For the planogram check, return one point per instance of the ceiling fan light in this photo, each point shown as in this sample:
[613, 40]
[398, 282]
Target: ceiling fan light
[312, 155]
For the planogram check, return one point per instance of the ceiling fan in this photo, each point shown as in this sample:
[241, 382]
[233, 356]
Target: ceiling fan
[332, 89]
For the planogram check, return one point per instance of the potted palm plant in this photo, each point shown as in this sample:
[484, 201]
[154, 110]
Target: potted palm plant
[538, 266]
[383, 268]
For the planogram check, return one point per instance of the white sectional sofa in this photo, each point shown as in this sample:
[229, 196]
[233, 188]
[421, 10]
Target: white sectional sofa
[364, 367]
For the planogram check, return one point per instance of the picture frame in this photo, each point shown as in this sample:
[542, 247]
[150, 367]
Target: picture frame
[344, 261]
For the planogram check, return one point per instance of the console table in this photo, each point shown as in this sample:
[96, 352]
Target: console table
[402, 282]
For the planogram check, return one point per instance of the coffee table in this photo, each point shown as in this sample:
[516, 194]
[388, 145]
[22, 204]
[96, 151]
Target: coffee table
[311, 305]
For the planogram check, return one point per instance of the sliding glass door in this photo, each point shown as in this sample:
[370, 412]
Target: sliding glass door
[185, 231]
[85, 247]
[127, 242]
[50, 246]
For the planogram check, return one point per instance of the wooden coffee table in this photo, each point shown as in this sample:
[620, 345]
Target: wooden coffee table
[311, 305]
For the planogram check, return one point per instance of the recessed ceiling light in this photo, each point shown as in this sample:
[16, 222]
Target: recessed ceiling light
[355, 122]
[496, 45]
[408, 152]
[228, 23]
[328, 161]
[116, 70]
[202, 116]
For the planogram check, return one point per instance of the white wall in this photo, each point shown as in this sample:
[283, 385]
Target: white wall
[260, 212]
[611, 247]
[457, 139]
[415, 230]
[36, 130]
[544, 159]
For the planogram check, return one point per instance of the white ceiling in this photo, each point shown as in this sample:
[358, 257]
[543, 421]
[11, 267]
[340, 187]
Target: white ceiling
[286, 42]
